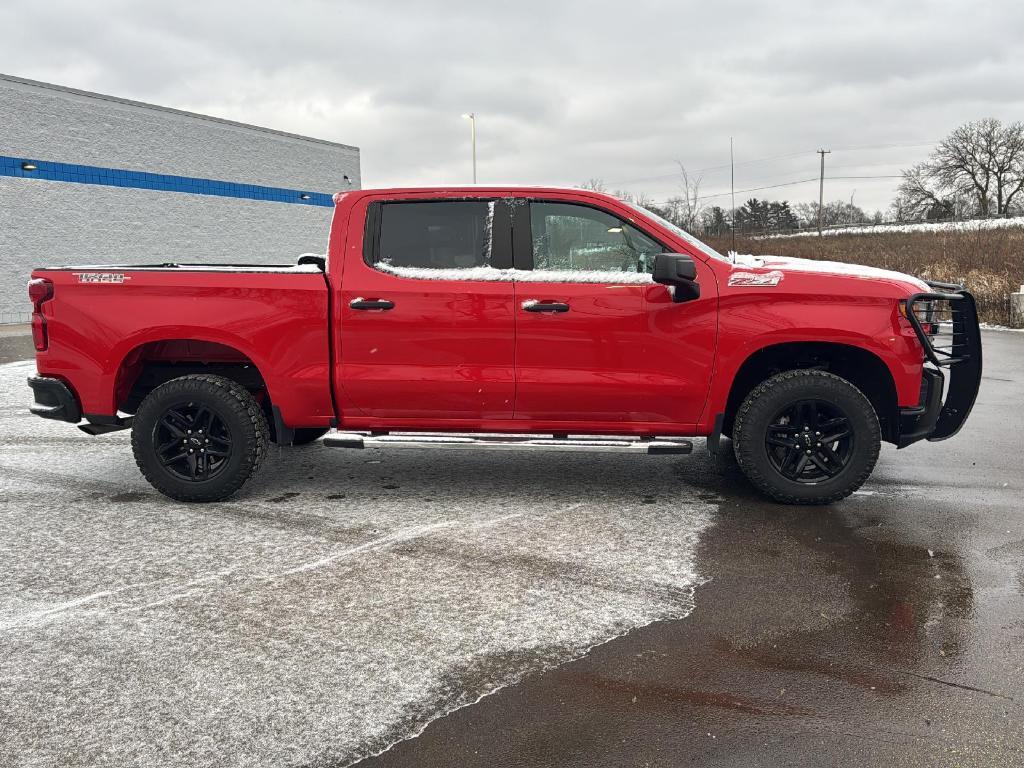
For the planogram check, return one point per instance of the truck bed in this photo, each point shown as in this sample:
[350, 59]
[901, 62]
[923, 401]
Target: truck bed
[105, 322]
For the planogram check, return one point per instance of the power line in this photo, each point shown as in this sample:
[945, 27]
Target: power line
[710, 168]
[756, 189]
[887, 146]
[859, 148]
[788, 184]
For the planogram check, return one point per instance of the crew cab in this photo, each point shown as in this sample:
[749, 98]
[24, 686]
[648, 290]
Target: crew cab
[506, 317]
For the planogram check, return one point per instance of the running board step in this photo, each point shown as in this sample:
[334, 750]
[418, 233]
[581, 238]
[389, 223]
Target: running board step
[509, 442]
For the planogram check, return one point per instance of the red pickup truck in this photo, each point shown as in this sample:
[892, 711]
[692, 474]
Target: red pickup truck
[501, 317]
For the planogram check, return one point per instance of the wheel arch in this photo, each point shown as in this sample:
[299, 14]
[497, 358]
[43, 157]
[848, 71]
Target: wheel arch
[150, 362]
[862, 368]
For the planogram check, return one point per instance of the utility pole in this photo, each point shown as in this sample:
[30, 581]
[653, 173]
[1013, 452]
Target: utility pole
[732, 192]
[821, 187]
[472, 133]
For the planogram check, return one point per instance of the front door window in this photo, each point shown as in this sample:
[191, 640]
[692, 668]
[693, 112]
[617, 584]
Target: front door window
[580, 238]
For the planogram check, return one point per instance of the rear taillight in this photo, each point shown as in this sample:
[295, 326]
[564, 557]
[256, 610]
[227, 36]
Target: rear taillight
[39, 332]
[40, 291]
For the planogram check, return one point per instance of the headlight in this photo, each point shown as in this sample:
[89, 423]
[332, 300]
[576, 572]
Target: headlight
[925, 312]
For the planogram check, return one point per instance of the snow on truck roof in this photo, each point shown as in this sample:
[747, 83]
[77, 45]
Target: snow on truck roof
[473, 188]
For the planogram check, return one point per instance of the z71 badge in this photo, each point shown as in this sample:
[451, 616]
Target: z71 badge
[755, 279]
[101, 277]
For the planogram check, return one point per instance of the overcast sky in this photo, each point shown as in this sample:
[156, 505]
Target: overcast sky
[564, 91]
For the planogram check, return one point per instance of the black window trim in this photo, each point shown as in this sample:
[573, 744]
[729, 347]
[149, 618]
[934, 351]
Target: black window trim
[522, 233]
[501, 246]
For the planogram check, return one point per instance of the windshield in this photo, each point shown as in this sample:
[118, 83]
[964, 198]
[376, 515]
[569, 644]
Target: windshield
[704, 247]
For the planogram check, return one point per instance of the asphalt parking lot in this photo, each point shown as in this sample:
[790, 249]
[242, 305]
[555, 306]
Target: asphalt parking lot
[511, 609]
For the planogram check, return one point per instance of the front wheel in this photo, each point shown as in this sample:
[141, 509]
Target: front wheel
[806, 437]
[199, 437]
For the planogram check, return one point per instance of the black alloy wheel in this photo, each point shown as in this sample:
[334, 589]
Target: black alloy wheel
[192, 441]
[810, 441]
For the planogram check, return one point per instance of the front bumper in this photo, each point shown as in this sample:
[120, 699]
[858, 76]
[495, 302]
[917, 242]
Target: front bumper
[938, 418]
[53, 400]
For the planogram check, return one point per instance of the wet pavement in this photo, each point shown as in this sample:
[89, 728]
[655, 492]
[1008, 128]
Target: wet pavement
[514, 610]
[15, 343]
[884, 630]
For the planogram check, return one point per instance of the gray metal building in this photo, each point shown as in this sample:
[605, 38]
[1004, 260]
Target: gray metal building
[88, 178]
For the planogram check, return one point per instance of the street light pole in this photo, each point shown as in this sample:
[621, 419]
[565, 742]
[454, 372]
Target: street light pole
[472, 133]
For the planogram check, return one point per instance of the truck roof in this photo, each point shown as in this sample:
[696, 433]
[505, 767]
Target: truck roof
[473, 190]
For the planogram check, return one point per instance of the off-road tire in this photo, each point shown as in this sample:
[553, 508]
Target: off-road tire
[776, 393]
[238, 411]
[307, 435]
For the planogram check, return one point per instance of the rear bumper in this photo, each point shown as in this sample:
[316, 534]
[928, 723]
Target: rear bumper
[938, 417]
[53, 400]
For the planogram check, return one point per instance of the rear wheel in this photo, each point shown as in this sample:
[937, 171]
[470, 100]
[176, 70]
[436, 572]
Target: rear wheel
[199, 437]
[806, 437]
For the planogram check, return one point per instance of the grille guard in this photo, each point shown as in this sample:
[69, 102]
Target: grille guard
[938, 418]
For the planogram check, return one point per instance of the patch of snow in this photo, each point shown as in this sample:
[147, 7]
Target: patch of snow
[486, 274]
[791, 264]
[975, 225]
[746, 259]
[490, 274]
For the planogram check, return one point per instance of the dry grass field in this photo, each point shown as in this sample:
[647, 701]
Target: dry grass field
[990, 263]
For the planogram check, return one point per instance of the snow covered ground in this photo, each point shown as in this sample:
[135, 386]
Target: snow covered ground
[340, 604]
[945, 226]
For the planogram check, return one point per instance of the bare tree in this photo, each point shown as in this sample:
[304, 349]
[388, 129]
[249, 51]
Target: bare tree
[687, 207]
[594, 185]
[982, 161]
[918, 196]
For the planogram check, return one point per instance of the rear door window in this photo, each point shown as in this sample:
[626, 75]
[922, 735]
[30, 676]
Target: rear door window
[450, 234]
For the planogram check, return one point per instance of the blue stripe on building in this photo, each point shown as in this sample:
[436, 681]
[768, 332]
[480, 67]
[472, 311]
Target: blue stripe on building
[115, 177]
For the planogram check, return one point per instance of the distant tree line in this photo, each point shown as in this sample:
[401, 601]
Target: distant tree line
[976, 171]
[753, 217]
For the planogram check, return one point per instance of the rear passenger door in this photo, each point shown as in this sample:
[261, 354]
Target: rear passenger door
[427, 335]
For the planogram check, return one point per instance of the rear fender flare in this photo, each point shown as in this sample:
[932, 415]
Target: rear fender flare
[126, 347]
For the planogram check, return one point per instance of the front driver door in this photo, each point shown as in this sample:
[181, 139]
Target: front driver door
[598, 343]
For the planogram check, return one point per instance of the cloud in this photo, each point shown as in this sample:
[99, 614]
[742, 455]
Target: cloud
[564, 91]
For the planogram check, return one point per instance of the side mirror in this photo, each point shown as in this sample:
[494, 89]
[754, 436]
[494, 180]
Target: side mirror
[679, 271]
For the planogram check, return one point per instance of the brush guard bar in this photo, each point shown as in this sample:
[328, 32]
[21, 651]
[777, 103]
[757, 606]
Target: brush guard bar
[946, 323]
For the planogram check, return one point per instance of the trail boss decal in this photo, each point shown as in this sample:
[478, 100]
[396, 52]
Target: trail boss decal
[101, 277]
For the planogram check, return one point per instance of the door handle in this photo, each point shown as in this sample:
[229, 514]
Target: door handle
[533, 305]
[381, 304]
